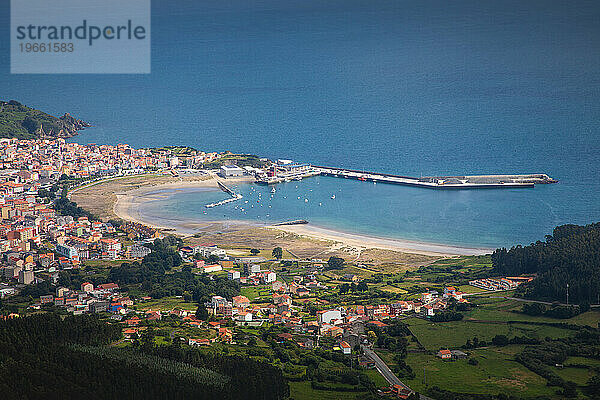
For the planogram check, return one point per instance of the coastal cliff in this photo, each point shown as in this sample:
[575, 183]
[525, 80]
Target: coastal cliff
[22, 122]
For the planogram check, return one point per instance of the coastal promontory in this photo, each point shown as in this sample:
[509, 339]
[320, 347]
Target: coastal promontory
[22, 122]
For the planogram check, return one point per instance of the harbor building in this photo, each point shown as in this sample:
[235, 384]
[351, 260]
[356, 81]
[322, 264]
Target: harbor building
[228, 171]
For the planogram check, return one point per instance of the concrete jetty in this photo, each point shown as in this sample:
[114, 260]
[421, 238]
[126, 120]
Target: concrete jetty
[234, 196]
[442, 182]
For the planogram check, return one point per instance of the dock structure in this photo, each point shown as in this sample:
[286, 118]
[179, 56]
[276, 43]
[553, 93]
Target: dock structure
[430, 182]
[296, 176]
[234, 196]
[442, 182]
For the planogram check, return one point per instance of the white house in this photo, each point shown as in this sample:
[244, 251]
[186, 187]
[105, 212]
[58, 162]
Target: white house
[325, 317]
[212, 268]
[426, 297]
[244, 316]
[207, 251]
[346, 349]
[250, 269]
[270, 276]
[137, 251]
[232, 275]
[67, 251]
[428, 311]
[231, 170]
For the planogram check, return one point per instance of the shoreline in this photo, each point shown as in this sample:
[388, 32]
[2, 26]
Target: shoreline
[368, 241]
[127, 207]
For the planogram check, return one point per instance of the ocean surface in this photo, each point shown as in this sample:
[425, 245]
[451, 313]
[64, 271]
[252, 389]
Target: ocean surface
[406, 87]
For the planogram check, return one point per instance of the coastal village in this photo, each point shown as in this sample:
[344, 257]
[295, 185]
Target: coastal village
[56, 256]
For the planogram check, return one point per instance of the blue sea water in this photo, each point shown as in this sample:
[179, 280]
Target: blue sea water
[407, 87]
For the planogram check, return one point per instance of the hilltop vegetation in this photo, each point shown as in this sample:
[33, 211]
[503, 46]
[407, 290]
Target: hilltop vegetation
[22, 122]
[571, 255]
[43, 356]
[241, 160]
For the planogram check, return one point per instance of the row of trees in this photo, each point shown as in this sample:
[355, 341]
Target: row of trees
[561, 312]
[64, 206]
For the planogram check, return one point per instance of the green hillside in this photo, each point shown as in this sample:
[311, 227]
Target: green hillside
[22, 122]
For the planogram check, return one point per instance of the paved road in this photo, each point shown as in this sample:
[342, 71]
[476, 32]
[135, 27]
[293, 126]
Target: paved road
[523, 300]
[383, 368]
[386, 372]
[538, 301]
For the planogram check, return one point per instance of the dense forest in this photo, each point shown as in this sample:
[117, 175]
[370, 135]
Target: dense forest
[571, 255]
[45, 357]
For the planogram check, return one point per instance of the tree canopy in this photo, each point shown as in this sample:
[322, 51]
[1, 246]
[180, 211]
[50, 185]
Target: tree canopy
[571, 255]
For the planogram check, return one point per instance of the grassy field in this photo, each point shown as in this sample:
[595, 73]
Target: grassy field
[104, 263]
[500, 309]
[165, 304]
[436, 335]
[253, 292]
[303, 391]
[582, 360]
[578, 375]
[392, 289]
[469, 289]
[377, 378]
[495, 373]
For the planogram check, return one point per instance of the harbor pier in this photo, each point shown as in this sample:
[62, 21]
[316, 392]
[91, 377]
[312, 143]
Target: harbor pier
[442, 182]
[234, 196]
[429, 182]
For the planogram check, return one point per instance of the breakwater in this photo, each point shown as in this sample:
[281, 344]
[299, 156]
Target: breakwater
[442, 182]
[234, 196]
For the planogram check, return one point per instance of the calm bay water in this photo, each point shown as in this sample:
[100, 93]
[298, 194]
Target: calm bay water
[407, 87]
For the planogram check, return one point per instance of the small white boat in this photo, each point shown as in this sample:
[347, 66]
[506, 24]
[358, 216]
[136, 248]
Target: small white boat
[306, 200]
[273, 190]
[333, 197]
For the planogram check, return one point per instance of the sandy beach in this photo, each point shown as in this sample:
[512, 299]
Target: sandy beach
[127, 206]
[405, 246]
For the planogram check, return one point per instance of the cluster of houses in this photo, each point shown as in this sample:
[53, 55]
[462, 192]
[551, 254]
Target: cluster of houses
[252, 273]
[135, 230]
[497, 284]
[89, 299]
[27, 225]
[27, 164]
[431, 302]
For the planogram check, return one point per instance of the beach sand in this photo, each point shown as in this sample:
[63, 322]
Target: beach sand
[405, 246]
[127, 206]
